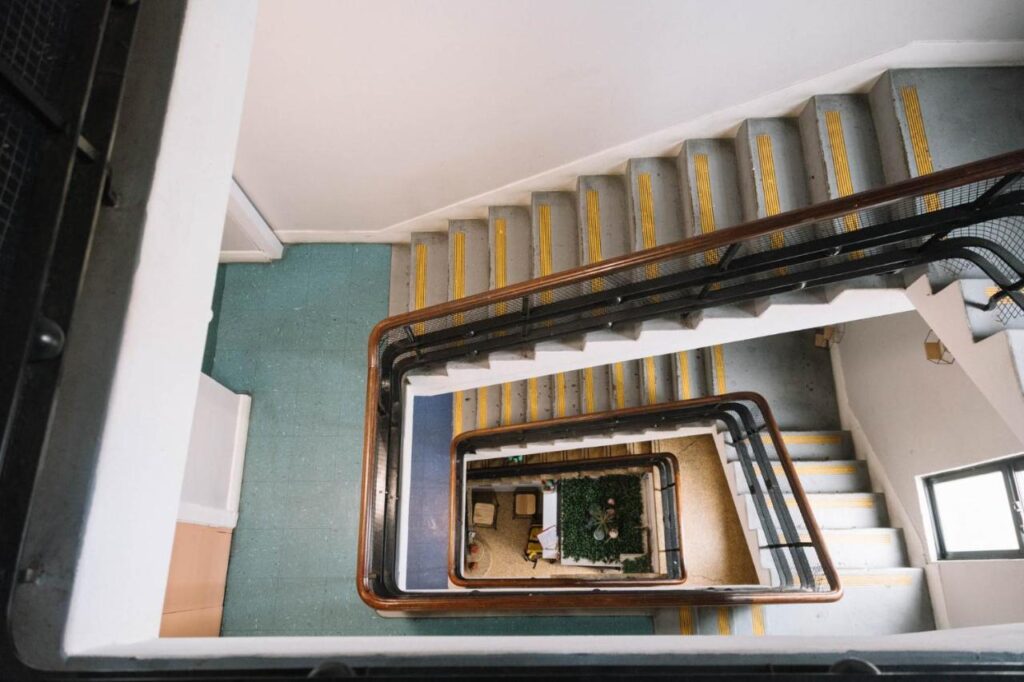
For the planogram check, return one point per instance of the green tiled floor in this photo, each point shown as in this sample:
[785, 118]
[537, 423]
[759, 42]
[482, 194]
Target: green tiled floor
[293, 335]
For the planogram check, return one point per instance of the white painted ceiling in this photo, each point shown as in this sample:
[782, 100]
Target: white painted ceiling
[359, 115]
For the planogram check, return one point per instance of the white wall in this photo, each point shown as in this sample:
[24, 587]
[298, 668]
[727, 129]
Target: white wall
[216, 453]
[909, 418]
[121, 574]
[361, 115]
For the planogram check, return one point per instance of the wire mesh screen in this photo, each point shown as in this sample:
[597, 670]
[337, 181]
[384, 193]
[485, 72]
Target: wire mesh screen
[33, 40]
[20, 138]
[952, 231]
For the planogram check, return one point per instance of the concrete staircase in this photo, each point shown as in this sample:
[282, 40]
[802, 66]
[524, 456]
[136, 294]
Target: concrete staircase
[883, 594]
[912, 122]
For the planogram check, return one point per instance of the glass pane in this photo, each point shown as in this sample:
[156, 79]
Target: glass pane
[975, 514]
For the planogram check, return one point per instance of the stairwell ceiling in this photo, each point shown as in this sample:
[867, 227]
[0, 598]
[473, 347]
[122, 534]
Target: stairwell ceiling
[360, 115]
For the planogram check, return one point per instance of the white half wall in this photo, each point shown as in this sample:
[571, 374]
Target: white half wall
[990, 363]
[118, 591]
[216, 453]
[910, 418]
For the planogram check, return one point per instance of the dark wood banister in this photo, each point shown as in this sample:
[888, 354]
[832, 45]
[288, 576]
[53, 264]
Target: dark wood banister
[611, 416]
[1005, 164]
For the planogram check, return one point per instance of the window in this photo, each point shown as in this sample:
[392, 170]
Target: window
[977, 512]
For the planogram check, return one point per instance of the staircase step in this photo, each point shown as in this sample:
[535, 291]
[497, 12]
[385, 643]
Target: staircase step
[539, 403]
[603, 217]
[833, 510]
[688, 373]
[932, 119]
[625, 382]
[841, 153]
[510, 245]
[653, 203]
[823, 477]
[488, 407]
[875, 602]
[428, 269]
[956, 115]
[555, 232]
[464, 414]
[807, 446]
[857, 548]
[708, 182]
[469, 261]
[657, 380]
[595, 389]
[985, 323]
[787, 369]
[842, 157]
[398, 291]
[772, 178]
[565, 394]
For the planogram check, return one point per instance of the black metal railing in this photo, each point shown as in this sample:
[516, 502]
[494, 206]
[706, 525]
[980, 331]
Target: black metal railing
[964, 219]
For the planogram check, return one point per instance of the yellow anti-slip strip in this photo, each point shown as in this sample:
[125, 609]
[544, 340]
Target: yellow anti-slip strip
[506, 404]
[500, 264]
[620, 385]
[833, 501]
[837, 501]
[873, 579]
[544, 233]
[560, 395]
[852, 537]
[806, 438]
[533, 395]
[724, 620]
[819, 468]
[757, 619]
[459, 272]
[687, 621]
[650, 376]
[841, 165]
[718, 355]
[594, 235]
[588, 390]
[420, 292]
[684, 375]
[705, 203]
[918, 139]
[643, 182]
[769, 185]
[457, 413]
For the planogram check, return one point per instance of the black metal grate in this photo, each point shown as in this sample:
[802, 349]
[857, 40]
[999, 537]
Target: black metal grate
[20, 138]
[33, 40]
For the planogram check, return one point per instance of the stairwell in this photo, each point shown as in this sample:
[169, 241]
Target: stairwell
[911, 123]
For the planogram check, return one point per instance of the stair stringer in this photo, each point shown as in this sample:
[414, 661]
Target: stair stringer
[994, 364]
[657, 337]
